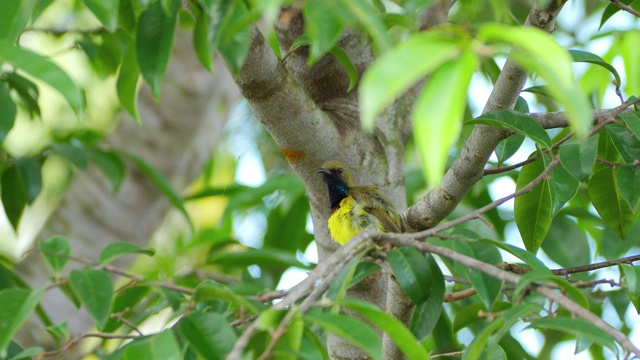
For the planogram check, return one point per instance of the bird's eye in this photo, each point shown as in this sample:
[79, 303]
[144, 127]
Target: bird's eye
[339, 170]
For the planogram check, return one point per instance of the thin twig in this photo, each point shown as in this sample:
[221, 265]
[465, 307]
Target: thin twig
[302, 289]
[449, 354]
[610, 164]
[493, 271]
[120, 317]
[71, 343]
[307, 303]
[504, 169]
[459, 295]
[625, 7]
[517, 269]
[475, 214]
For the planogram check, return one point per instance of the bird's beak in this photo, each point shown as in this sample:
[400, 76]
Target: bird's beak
[323, 171]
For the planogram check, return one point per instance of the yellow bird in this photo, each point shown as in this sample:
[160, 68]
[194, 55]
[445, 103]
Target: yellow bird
[353, 208]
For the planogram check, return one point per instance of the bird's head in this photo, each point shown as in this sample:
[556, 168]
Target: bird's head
[335, 172]
[337, 179]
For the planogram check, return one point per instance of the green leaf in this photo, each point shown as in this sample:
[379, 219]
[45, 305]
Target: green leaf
[59, 331]
[55, 251]
[111, 165]
[577, 327]
[545, 276]
[438, 114]
[268, 257]
[161, 183]
[75, 153]
[611, 10]
[118, 249]
[566, 243]
[26, 89]
[606, 198]
[517, 122]
[243, 197]
[562, 186]
[208, 333]
[106, 11]
[533, 210]
[28, 353]
[153, 43]
[14, 195]
[471, 314]
[578, 158]
[356, 331]
[323, 26]
[412, 271]
[627, 47]
[395, 72]
[535, 49]
[210, 290]
[487, 287]
[160, 346]
[587, 57]
[271, 318]
[631, 280]
[525, 256]
[8, 113]
[490, 336]
[290, 342]
[624, 140]
[508, 147]
[126, 299]
[232, 36]
[14, 16]
[426, 315]
[370, 20]
[17, 307]
[348, 66]
[479, 343]
[364, 270]
[542, 90]
[202, 40]
[30, 171]
[628, 180]
[632, 121]
[344, 280]
[405, 340]
[44, 69]
[95, 290]
[127, 83]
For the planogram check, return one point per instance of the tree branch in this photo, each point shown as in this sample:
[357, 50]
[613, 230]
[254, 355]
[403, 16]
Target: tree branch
[553, 120]
[493, 271]
[517, 269]
[477, 213]
[468, 168]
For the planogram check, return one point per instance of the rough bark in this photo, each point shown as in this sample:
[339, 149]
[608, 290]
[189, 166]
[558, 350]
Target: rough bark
[313, 118]
[178, 136]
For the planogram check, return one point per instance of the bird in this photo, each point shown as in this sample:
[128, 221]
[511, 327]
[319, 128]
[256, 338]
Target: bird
[353, 208]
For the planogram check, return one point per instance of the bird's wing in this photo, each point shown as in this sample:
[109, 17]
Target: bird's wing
[378, 206]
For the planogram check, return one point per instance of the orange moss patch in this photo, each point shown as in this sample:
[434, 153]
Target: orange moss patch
[293, 155]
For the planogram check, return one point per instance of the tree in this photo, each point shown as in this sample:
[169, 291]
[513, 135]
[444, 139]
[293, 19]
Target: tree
[369, 84]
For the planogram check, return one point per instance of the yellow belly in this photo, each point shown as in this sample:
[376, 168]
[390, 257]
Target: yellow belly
[349, 220]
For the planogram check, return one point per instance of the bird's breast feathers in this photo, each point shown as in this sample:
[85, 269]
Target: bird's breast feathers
[349, 219]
